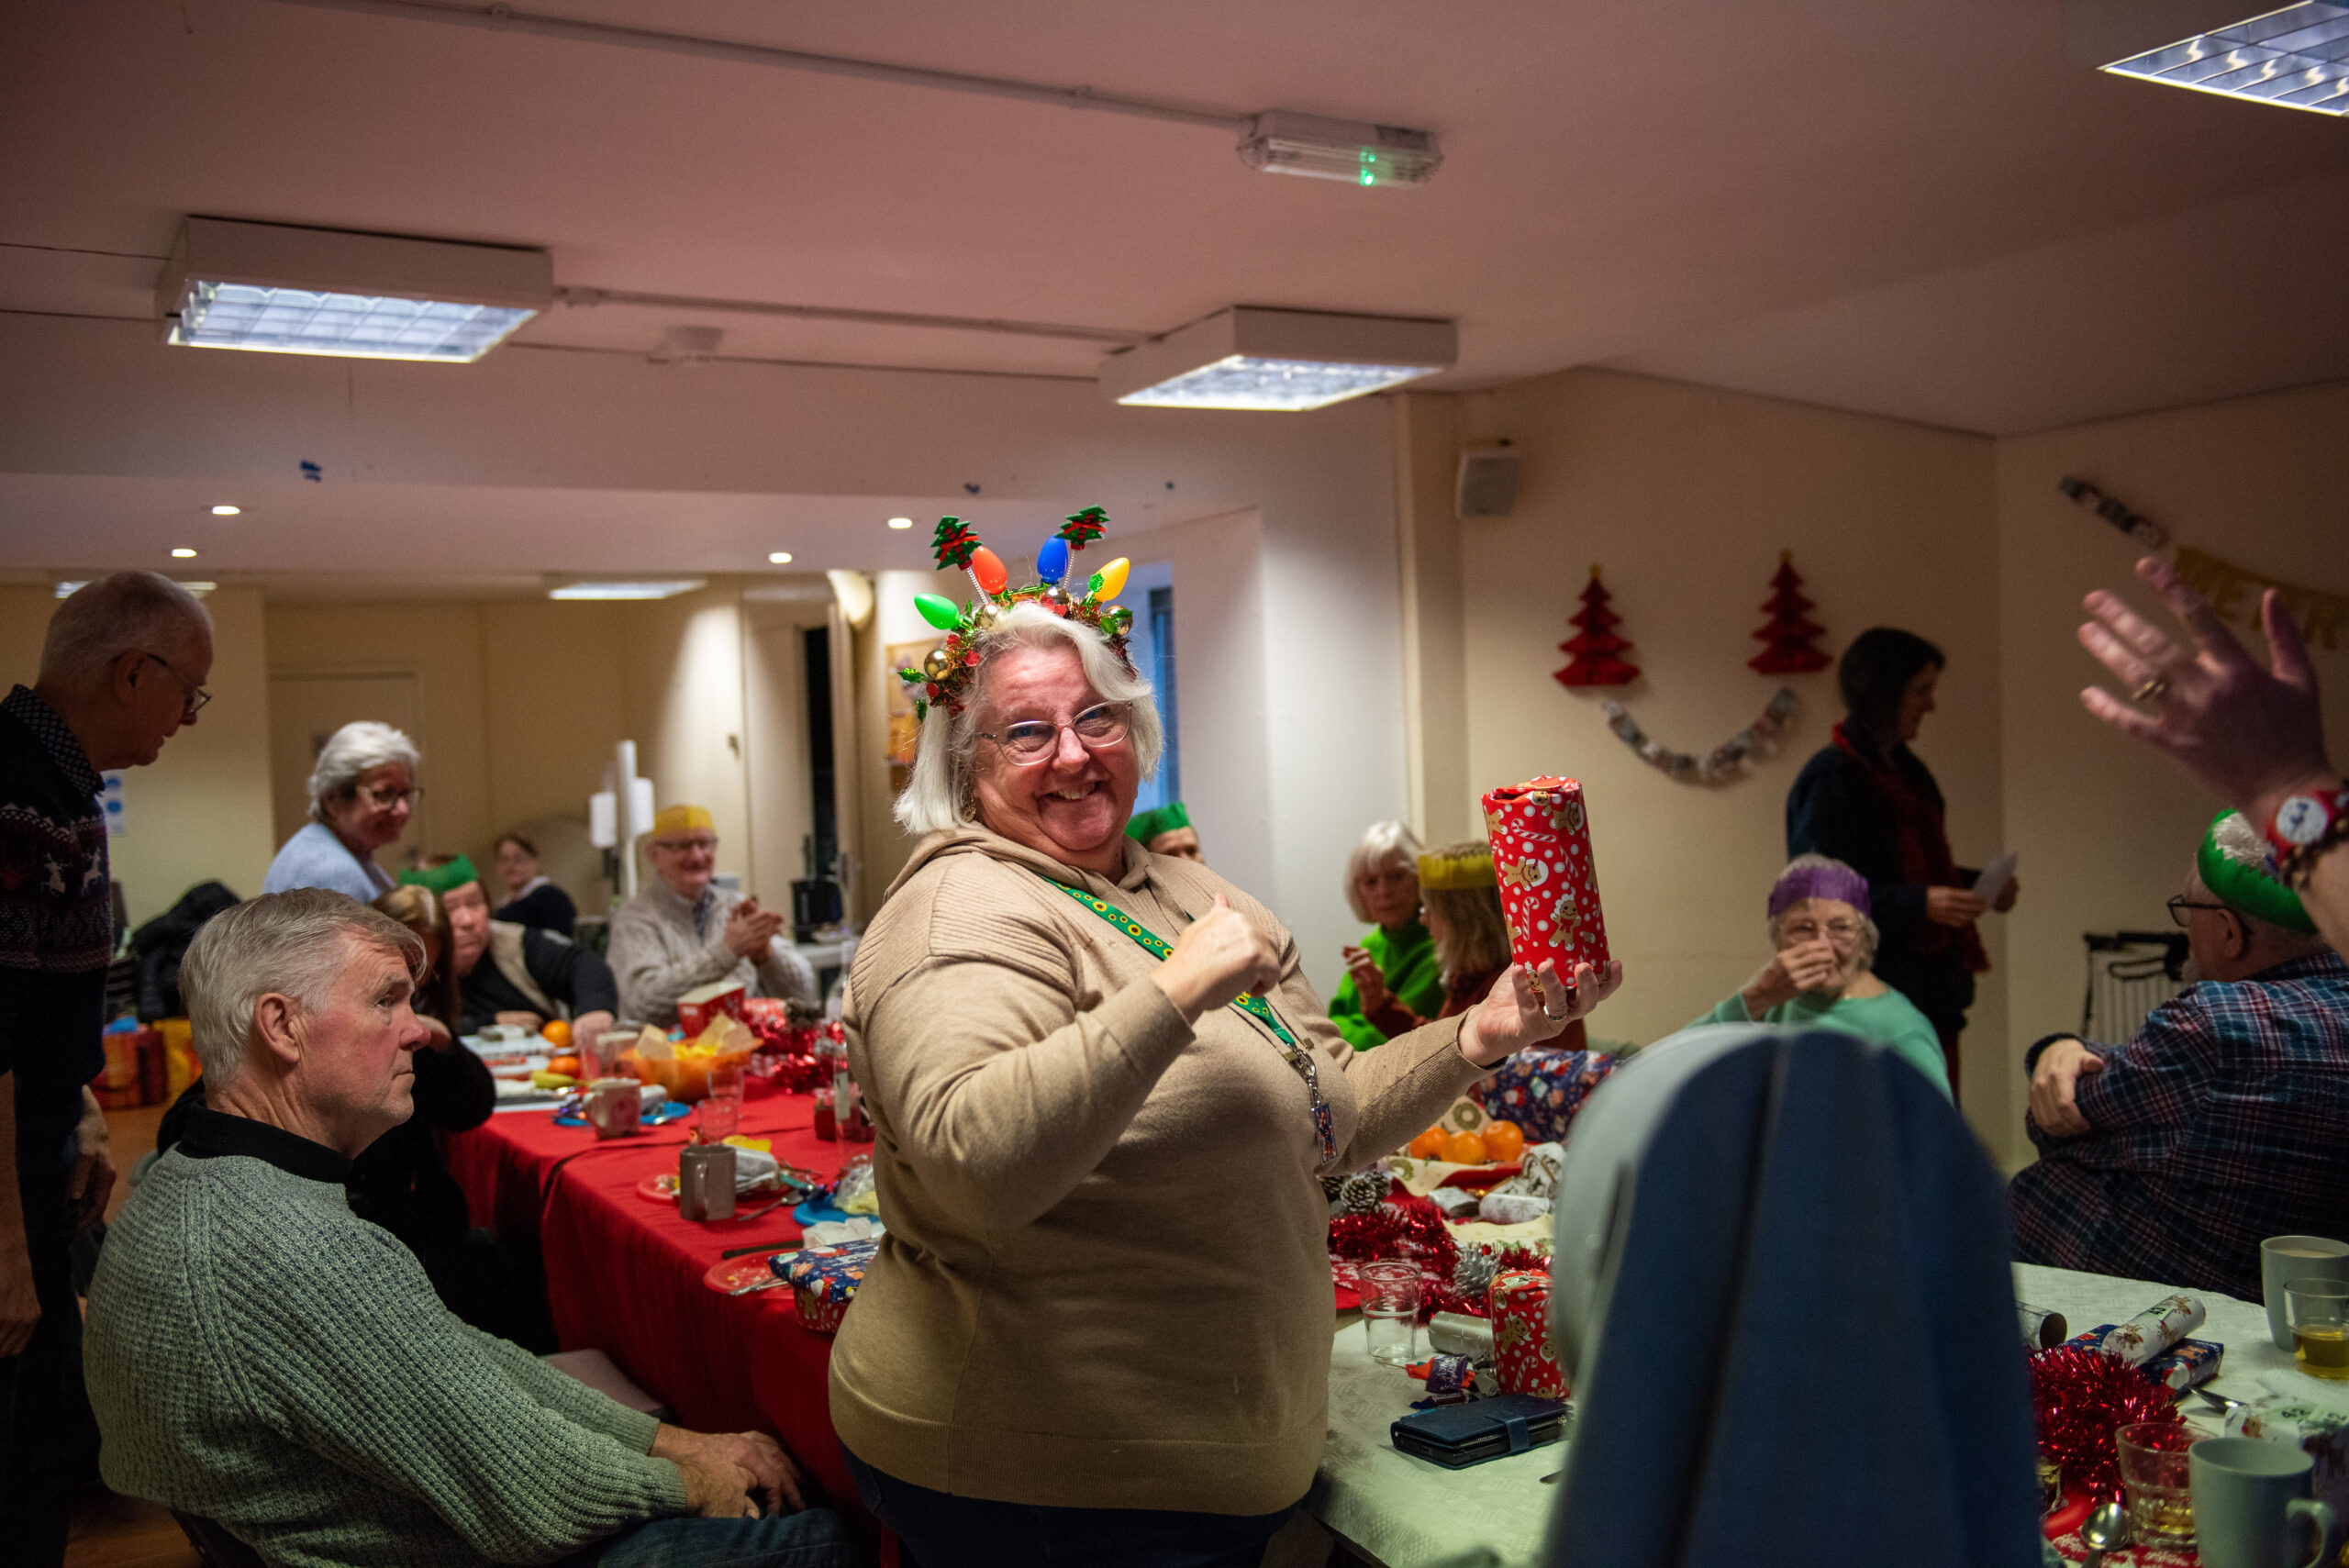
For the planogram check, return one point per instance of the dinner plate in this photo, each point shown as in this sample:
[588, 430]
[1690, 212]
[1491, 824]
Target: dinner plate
[728, 1275]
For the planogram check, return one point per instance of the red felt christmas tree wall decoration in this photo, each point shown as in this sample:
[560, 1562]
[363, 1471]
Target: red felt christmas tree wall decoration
[1786, 639]
[1595, 645]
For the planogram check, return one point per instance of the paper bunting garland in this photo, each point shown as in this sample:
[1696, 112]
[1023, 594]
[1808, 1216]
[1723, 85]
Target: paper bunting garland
[2233, 591]
[1724, 761]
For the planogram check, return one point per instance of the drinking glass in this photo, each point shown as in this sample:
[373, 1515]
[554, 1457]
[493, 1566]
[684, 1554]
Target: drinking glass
[1390, 1310]
[2318, 1310]
[2158, 1484]
[721, 1110]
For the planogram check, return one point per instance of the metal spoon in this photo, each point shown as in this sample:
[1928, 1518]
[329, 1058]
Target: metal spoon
[2107, 1530]
[2219, 1401]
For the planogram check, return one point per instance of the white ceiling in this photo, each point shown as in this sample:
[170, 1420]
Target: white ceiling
[1922, 210]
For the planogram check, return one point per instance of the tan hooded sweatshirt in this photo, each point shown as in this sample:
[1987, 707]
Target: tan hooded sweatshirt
[1105, 1279]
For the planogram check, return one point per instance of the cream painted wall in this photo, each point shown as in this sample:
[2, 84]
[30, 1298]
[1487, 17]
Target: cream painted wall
[2107, 830]
[201, 812]
[1687, 495]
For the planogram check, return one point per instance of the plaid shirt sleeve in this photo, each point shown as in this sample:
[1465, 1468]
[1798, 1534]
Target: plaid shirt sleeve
[2150, 1089]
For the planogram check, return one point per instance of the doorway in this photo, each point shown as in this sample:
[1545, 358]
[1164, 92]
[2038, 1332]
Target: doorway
[306, 707]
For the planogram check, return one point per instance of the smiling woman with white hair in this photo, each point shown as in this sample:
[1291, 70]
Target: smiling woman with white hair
[361, 792]
[1103, 1092]
[1396, 960]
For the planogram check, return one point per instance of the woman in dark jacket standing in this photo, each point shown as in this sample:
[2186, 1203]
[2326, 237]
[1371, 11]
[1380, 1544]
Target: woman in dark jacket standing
[1868, 801]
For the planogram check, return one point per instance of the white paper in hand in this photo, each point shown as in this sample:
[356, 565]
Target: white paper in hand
[1991, 885]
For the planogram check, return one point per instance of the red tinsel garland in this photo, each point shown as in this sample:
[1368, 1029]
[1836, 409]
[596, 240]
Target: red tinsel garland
[2079, 1396]
[1413, 1227]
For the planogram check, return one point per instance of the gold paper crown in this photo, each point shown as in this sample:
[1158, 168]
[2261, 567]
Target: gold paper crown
[1457, 873]
[947, 670]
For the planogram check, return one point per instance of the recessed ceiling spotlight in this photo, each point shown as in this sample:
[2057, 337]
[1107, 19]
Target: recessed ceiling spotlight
[1290, 361]
[182, 553]
[320, 290]
[901, 522]
[2294, 56]
[226, 511]
[657, 589]
[778, 558]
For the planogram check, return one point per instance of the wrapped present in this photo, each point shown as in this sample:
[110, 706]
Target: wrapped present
[2184, 1364]
[1540, 1089]
[824, 1281]
[2299, 1421]
[1519, 1300]
[699, 1006]
[1541, 839]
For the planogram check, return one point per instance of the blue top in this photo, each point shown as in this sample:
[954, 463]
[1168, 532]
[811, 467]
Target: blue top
[1888, 1019]
[316, 858]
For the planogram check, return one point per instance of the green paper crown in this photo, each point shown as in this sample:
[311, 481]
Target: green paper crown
[445, 878]
[1144, 826]
[2249, 890]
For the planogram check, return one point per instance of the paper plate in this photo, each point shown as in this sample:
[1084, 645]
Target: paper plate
[727, 1274]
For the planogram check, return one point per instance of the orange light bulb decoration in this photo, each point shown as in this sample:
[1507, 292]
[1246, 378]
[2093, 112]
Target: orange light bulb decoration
[987, 570]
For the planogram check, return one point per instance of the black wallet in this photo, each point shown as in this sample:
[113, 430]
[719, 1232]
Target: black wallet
[1456, 1436]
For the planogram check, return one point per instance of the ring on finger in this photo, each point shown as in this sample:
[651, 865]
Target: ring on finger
[2152, 690]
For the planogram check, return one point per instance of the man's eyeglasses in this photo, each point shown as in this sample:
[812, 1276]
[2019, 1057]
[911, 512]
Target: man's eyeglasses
[192, 703]
[686, 846]
[2179, 908]
[1033, 740]
[1836, 931]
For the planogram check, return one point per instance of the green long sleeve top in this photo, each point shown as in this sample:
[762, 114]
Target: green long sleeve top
[1406, 958]
[259, 1355]
[1888, 1019]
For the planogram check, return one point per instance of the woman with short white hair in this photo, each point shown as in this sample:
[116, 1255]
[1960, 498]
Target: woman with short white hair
[1823, 973]
[1102, 1092]
[363, 792]
[1396, 961]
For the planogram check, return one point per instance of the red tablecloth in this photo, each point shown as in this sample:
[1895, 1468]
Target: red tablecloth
[624, 1274]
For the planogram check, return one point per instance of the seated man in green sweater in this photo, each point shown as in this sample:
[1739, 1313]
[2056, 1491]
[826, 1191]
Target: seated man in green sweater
[260, 1357]
[1822, 974]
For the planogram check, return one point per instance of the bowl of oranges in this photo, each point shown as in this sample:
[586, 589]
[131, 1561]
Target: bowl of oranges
[1495, 1143]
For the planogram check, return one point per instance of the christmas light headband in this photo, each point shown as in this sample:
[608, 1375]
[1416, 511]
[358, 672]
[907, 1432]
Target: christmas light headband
[946, 672]
[1457, 873]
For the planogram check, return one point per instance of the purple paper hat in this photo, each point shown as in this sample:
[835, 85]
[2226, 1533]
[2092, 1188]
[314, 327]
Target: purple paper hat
[1833, 880]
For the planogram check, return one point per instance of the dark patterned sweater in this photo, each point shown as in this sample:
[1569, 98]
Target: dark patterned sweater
[56, 927]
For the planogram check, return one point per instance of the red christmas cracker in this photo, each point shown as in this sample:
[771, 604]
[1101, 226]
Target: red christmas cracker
[1522, 1360]
[1541, 838]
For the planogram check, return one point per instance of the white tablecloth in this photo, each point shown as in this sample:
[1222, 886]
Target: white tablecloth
[1407, 1512]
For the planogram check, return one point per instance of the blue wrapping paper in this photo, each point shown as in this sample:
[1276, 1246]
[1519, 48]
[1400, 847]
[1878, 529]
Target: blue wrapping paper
[2177, 1368]
[1540, 1089]
[828, 1274]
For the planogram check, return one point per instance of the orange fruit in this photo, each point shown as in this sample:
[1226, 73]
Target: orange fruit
[1429, 1145]
[556, 1033]
[1464, 1149]
[1504, 1142]
[564, 1064]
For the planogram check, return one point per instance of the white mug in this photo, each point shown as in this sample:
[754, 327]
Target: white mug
[2252, 1507]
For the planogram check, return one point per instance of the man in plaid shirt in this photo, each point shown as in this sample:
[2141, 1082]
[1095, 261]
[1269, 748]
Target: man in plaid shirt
[2224, 1122]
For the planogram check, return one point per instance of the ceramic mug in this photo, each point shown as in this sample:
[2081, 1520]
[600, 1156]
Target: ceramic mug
[2285, 1258]
[615, 1107]
[2252, 1507]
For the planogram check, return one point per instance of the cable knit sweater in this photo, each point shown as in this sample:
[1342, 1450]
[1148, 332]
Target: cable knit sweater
[1105, 1280]
[260, 1356]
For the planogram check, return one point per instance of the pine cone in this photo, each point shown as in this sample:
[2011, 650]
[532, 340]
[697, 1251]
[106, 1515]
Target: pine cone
[1472, 1275]
[1361, 1192]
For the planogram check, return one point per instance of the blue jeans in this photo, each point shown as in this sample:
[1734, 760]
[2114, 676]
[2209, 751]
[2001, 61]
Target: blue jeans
[942, 1530]
[815, 1538]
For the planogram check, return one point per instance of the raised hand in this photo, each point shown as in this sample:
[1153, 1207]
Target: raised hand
[1515, 1014]
[1370, 982]
[1217, 959]
[1806, 966]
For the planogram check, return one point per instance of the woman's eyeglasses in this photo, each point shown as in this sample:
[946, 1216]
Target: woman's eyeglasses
[1839, 932]
[383, 799]
[1033, 740]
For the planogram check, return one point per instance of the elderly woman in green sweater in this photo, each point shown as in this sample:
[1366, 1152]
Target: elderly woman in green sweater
[1823, 943]
[1396, 961]
[262, 1358]
[1098, 1328]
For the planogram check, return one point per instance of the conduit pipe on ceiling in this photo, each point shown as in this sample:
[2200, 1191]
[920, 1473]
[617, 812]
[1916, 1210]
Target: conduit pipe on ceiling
[504, 18]
[582, 294]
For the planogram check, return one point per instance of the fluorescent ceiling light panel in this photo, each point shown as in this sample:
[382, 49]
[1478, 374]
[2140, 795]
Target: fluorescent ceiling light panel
[1251, 358]
[667, 588]
[67, 590]
[2298, 56]
[1356, 152]
[315, 291]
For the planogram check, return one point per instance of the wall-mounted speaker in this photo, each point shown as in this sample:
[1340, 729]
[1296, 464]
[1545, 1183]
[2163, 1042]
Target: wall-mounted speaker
[1487, 482]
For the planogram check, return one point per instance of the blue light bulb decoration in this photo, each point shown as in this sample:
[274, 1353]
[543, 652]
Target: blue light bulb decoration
[1051, 562]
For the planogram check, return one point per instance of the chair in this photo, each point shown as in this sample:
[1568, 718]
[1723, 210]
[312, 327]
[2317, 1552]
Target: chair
[215, 1544]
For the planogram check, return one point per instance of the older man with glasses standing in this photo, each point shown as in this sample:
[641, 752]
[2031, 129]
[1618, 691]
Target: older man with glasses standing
[122, 669]
[682, 930]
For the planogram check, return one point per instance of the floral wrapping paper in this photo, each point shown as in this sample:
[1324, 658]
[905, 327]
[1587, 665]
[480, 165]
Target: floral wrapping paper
[1541, 838]
[824, 1281]
[2180, 1367]
[2299, 1422]
[2154, 1329]
[1540, 1089]
[1520, 1302]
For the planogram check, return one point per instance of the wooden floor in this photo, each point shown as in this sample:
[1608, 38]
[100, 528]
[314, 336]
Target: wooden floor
[128, 1532]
